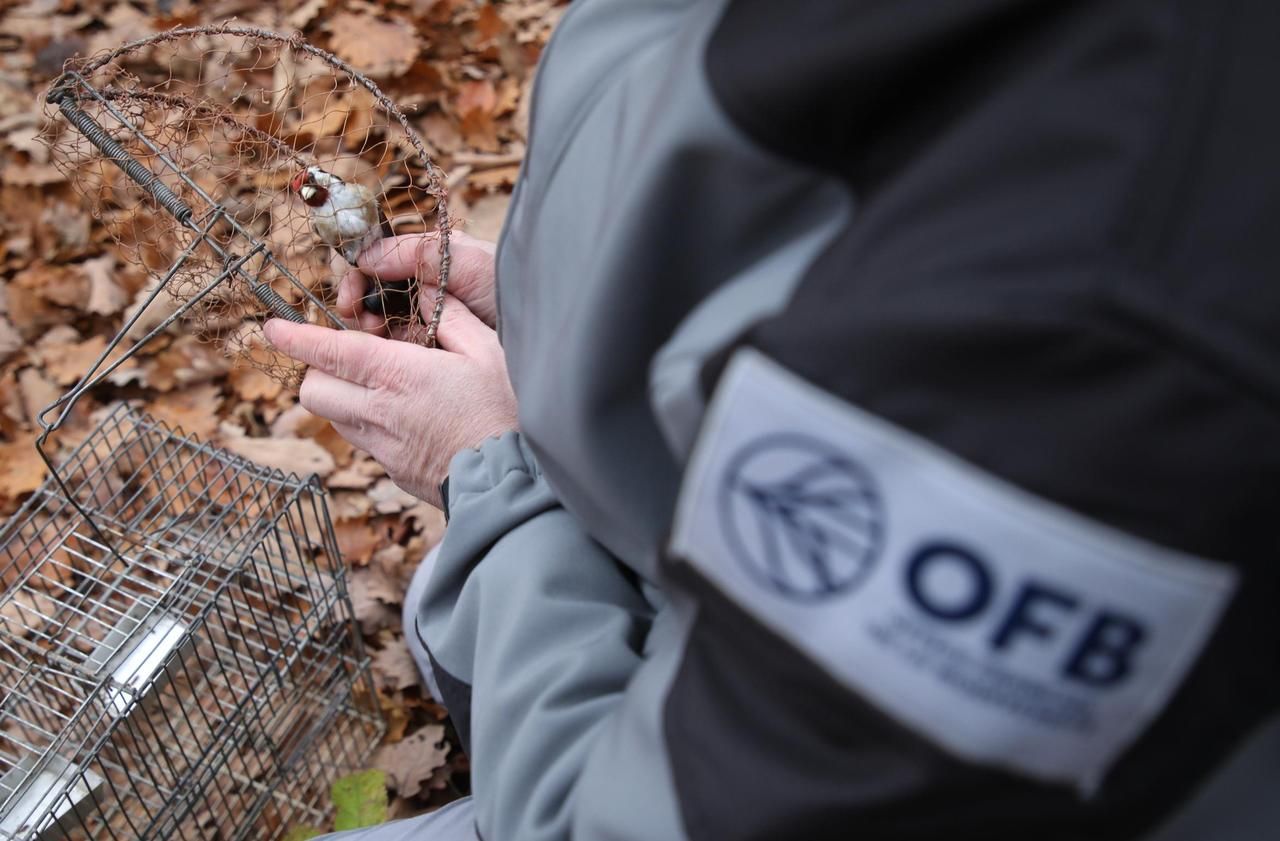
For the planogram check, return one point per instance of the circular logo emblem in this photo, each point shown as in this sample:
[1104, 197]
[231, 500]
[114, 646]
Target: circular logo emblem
[803, 518]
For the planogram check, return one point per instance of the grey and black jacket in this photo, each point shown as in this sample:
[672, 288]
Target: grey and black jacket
[900, 430]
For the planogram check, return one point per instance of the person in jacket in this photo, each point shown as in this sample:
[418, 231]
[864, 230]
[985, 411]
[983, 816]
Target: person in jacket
[873, 432]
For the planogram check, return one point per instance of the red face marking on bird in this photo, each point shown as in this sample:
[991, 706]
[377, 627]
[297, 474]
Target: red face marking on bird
[310, 187]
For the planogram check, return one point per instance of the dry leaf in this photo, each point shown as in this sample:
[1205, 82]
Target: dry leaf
[305, 13]
[372, 583]
[430, 521]
[290, 455]
[410, 762]
[37, 392]
[194, 410]
[489, 24]
[185, 362]
[388, 498]
[477, 96]
[67, 361]
[349, 505]
[361, 473]
[64, 286]
[373, 596]
[441, 132]
[391, 559]
[492, 179]
[396, 715]
[13, 414]
[106, 296]
[31, 175]
[10, 341]
[252, 383]
[480, 131]
[66, 263]
[297, 422]
[21, 468]
[357, 540]
[378, 47]
[394, 666]
[30, 310]
[156, 311]
[486, 215]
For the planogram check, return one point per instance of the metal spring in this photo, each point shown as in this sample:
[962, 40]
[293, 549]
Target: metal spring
[131, 166]
[272, 300]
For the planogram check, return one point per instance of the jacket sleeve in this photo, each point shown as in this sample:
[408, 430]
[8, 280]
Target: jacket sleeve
[955, 548]
[534, 632]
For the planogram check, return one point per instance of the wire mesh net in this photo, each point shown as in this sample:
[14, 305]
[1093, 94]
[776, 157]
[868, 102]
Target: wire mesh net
[177, 647]
[245, 171]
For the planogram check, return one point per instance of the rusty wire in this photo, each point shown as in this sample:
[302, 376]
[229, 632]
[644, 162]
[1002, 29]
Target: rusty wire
[220, 116]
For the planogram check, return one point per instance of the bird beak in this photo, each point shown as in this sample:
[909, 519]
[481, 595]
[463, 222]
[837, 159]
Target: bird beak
[296, 183]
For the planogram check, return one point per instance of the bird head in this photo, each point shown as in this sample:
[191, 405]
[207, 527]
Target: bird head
[312, 185]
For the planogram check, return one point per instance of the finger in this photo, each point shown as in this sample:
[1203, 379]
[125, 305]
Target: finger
[356, 435]
[410, 255]
[462, 332]
[351, 291]
[394, 258]
[336, 400]
[347, 354]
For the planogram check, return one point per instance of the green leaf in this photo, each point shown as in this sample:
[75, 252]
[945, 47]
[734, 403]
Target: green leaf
[360, 800]
[302, 833]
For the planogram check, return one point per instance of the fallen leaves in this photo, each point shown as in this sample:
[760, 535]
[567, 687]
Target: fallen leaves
[36, 392]
[415, 760]
[394, 666]
[10, 339]
[66, 359]
[21, 469]
[106, 295]
[193, 410]
[298, 456]
[379, 47]
[373, 597]
[357, 540]
[359, 800]
[388, 498]
[252, 383]
[71, 278]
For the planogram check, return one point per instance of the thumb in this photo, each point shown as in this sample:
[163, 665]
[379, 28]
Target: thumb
[462, 332]
[347, 354]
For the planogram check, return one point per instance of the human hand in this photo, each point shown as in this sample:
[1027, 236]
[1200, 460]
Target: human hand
[471, 276]
[410, 407]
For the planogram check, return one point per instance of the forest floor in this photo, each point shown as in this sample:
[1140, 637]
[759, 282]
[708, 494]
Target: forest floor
[462, 70]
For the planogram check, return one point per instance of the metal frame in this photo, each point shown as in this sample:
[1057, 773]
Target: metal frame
[261, 671]
[178, 653]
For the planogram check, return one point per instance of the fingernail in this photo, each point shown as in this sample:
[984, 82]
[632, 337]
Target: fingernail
[269, 329]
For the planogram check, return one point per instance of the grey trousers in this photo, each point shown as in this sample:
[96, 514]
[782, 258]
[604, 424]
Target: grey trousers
[455, 822]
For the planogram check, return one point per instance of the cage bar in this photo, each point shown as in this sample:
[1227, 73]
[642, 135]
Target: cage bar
[177, 647]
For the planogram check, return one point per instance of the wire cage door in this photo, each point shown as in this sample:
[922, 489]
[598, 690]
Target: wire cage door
[177, 648]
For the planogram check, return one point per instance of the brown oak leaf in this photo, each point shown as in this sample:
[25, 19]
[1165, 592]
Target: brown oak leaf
[21, 468]
[394, 666]
[378, 47]
[411, 762]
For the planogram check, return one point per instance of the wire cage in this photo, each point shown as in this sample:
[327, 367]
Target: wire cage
[177, 648]
[185, 145]
[178, 656]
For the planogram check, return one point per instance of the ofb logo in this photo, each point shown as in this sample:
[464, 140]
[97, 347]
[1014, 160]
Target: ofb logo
[802, 517]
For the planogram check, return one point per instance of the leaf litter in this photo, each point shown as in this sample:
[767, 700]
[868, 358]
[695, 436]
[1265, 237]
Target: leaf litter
[462, 69]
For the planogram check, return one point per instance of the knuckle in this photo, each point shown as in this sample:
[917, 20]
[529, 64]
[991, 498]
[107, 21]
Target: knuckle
[307, 391]
[326, 353]
[344, 356]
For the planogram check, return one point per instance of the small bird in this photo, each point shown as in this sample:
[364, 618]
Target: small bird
[347, 218]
